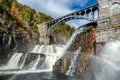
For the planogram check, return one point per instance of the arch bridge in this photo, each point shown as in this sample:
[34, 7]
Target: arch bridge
[84, 14]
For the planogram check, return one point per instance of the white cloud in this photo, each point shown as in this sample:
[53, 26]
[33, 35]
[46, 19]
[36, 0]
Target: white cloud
[54, 8]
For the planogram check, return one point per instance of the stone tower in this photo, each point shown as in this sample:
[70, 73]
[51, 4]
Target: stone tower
[109, 12]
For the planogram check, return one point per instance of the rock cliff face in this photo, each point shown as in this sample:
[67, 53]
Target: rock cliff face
[62, 65]
[14, 37]
[86, 43]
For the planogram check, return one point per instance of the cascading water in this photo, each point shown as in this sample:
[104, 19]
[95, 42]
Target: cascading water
[42, 64]
[104, 66]
[72, 39]
[36, 63]
[72, 66]
[51, 52]
[22, 62]
[13, 62]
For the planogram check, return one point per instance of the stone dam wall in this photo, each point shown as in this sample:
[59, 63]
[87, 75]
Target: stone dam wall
[106, 34]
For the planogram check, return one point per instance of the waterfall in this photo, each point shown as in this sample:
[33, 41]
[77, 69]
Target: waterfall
[36, 63]
[73, 66]
[48, 63]
[51, 52]
[13, 62]
[69, 43]
[23, 59]
[72, 39]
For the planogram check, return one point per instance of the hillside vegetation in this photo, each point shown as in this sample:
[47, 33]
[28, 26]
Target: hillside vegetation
[18, 27]
[29, 18]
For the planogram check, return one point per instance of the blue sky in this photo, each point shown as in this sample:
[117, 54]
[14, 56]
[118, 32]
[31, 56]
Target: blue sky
[57, 8]
[87, 3]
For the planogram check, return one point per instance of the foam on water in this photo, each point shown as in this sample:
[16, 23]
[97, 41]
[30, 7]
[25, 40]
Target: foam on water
[23, 72]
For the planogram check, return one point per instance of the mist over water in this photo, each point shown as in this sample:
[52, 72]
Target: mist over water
[105, 66]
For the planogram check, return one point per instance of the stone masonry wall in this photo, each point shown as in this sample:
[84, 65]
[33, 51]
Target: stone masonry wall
[107, 34]
[43, 38]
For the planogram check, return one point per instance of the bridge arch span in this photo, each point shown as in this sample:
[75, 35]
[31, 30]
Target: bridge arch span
[83, 14]
[73, 18]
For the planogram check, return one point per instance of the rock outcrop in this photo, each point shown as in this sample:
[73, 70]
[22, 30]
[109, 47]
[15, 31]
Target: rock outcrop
[61, 66]
[31, 57]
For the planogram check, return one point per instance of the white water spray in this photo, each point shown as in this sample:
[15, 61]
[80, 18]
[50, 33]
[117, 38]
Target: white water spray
[73, 64]
[105, 66]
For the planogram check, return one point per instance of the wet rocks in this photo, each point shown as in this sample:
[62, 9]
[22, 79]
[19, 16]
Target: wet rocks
[61, 65]
[31, 57]
[87, 43]
[82, 64]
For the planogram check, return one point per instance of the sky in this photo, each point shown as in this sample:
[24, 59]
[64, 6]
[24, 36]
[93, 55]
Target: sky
[58, 8]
